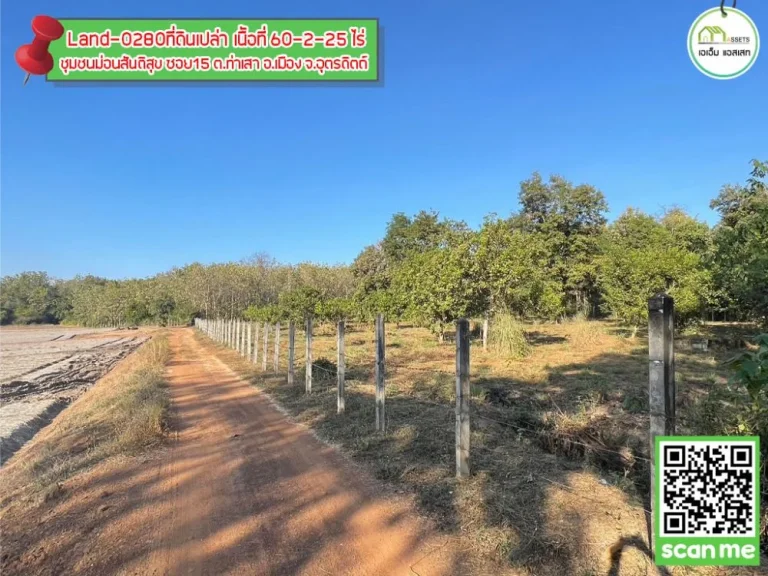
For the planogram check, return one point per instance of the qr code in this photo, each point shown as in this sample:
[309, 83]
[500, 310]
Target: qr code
[708, 488]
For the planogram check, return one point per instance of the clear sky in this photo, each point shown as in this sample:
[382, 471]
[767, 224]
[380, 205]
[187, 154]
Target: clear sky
[131, 181]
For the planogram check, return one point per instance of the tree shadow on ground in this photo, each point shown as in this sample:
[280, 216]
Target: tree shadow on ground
[506, 508]
[539, 338]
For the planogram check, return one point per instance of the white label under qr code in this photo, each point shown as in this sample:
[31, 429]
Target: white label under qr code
[707, 488]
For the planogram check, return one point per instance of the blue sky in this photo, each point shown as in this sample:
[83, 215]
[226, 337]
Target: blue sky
[130, 181]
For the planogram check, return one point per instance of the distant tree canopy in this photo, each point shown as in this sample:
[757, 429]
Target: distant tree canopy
[556, 256]
[30, 298]
[641, 256]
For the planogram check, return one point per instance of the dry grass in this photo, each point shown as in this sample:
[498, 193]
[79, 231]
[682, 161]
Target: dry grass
[558, 438]
[587, 333]
[507, 337]
[123, 414]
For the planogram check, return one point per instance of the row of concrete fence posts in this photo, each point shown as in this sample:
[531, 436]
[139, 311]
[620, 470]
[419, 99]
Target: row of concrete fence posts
[340, 367]
[291, 351]
[661, 371]
[381, 417]
[661, 384]
[308, 354]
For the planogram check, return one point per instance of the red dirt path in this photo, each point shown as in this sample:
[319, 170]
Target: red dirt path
[240, 490]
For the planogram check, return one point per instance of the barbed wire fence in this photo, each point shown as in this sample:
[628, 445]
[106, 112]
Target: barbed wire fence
[252, 341]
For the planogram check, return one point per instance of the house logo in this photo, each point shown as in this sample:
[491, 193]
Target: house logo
[712, 35]
[723, 44]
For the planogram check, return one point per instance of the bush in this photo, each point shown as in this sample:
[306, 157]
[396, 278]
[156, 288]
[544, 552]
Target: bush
[742, 410]
[506, 336]
[323, 370]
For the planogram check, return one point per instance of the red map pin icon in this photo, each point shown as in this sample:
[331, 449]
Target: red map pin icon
[34, 58]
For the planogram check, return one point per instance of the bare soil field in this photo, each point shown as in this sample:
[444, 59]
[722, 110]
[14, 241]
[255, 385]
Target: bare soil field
[44, 368]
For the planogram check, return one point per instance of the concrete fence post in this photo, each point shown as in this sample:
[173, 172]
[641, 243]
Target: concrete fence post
[276, 360]
[308, 354]
[266, 347]
[661, 380]
[462, 398]
[381, 416]
[291, 351]
[340, 368]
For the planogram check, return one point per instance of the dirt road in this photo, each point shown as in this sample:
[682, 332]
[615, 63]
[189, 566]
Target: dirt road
[241, 490]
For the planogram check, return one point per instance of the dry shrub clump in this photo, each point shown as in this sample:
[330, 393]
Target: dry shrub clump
[507, 336]
[125, 413]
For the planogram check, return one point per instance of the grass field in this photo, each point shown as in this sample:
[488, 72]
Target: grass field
[559, 438]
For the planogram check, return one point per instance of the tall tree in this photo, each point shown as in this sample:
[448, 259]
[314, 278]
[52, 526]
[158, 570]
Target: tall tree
[570, 220]
[740, 264]
[438, 286]
[29, 297]
[513, 272]
[641, 258]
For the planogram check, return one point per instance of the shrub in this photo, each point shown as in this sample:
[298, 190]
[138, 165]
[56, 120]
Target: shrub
[507, 337]
[750, 378]
[323, 370]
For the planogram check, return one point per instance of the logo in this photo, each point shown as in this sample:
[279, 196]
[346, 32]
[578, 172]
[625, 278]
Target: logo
[723, 44]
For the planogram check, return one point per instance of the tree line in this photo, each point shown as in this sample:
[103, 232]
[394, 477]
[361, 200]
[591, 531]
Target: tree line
[556, 256]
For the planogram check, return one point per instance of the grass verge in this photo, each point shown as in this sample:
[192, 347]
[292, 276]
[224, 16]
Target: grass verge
[124, 413]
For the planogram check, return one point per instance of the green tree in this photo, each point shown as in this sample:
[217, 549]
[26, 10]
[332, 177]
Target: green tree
[513, 273]
[641, 258]
[425, 231]
[29, 298]
[270, 313]
[740, 265]
[688, 232]
[439, 286]
[371, 270]
[334, 309]
[570, 221]
[297, 304]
